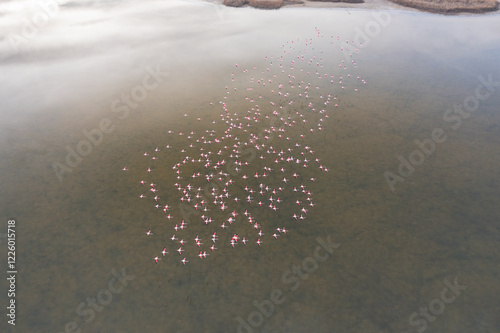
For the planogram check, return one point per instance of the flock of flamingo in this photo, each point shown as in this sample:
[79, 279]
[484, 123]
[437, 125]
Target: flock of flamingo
[242, 175]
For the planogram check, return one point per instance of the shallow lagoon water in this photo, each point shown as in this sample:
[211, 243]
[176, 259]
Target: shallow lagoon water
[396, 247]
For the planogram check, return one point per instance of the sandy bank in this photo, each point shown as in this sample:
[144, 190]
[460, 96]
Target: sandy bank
[434, 6]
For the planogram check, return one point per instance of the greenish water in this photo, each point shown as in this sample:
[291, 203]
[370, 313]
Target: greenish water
[396, 248]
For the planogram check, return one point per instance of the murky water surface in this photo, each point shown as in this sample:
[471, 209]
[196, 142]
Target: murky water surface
[355, 152]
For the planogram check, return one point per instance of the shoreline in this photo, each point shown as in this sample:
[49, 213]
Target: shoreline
[445, 8]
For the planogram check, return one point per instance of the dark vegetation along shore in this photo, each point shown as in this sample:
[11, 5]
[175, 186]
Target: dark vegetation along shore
[435, 6]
